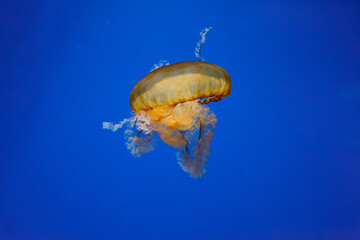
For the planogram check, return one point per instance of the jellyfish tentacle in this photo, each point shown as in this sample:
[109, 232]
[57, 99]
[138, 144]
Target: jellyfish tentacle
[187, 142]
[138, 134]
[201, 129]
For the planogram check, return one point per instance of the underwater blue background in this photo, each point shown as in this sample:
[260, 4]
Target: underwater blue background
[285, 158]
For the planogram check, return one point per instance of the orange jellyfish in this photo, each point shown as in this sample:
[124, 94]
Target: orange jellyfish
[171, 102]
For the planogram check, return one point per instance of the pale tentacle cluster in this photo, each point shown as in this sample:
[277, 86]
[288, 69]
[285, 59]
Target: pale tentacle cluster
[187, 127]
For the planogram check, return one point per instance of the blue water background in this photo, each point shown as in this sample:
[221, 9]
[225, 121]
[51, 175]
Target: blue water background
[285, 158]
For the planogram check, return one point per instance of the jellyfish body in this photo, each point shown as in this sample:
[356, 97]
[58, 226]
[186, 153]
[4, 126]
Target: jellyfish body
[171, 102]
[178, 83]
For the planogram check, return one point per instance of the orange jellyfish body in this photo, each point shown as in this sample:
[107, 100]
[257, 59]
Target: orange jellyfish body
[178, 83]
[171, 101]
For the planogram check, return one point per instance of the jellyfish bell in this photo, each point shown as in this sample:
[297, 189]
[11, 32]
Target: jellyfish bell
[171, 102]
[179, 83]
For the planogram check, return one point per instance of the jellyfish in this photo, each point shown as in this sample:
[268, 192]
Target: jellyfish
[170, 103]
